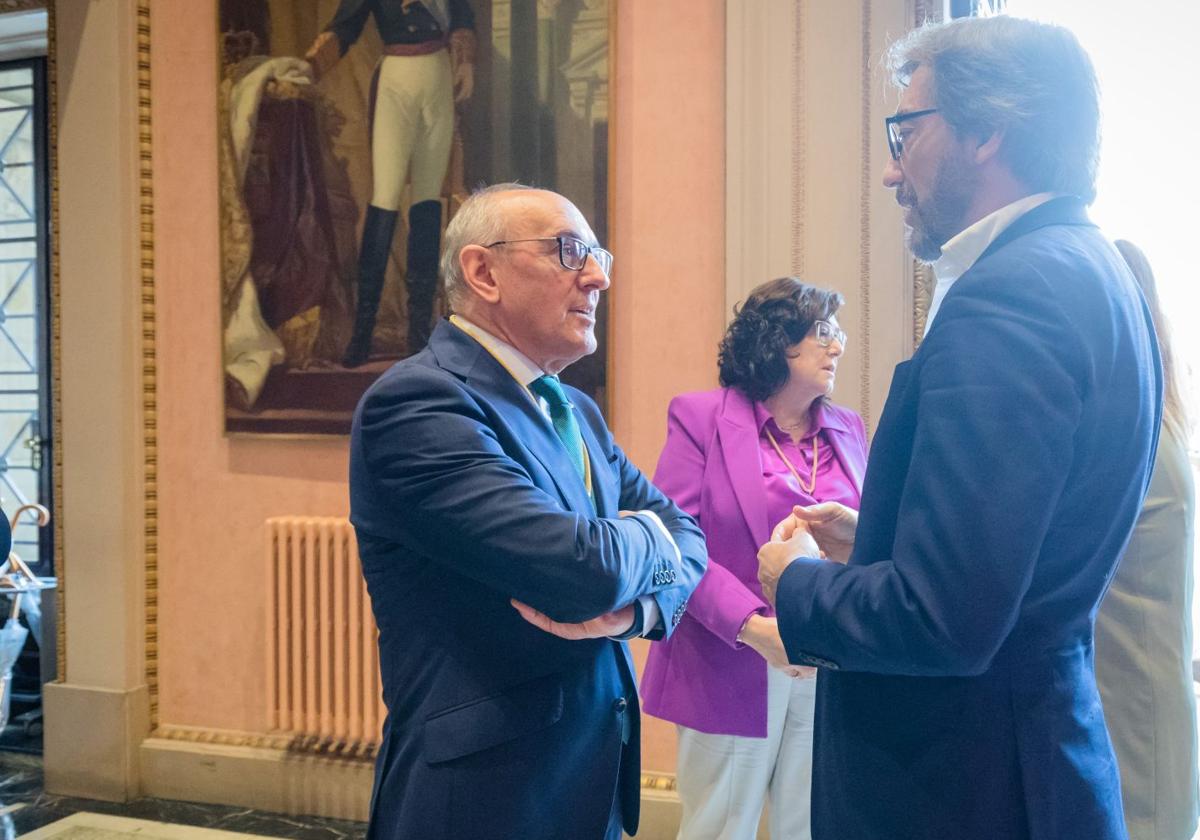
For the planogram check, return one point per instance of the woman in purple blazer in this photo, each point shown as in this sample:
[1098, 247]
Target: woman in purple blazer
[737, 459]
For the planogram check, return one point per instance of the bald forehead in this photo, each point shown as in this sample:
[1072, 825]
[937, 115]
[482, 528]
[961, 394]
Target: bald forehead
[541, 213]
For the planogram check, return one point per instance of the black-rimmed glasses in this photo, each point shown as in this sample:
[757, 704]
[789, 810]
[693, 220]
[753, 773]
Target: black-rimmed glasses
[572, 252]
[892, 126]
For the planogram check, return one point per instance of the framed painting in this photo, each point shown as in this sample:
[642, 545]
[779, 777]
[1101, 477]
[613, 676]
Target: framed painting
[350, 131]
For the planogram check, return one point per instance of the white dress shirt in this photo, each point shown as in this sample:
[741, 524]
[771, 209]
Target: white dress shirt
[963, 249]
[525, 371]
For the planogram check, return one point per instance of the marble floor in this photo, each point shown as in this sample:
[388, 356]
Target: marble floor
[25, 807]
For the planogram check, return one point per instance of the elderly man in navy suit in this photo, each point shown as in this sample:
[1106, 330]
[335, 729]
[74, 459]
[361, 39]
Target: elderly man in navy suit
[510, 548]
[957, 697]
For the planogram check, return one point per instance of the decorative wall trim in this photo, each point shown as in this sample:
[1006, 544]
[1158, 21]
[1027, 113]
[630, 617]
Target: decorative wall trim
[923, 281]
[764, 218]
[286, 742]
[799, 138]
[149, 358]
[7, 6]
[864, 218]
[661, 782]
[56, 402]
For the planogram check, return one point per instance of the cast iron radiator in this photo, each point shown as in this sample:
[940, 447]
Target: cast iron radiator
[322, 655]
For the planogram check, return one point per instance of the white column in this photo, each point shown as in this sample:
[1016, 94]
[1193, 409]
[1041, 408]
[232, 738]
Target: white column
[805, 103]
[98, 714]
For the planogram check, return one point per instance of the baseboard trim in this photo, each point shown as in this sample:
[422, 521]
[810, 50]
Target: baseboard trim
[259, 771]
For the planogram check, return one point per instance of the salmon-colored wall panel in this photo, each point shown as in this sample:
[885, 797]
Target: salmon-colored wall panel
[668, 212]
[215, 492]
[669, 223]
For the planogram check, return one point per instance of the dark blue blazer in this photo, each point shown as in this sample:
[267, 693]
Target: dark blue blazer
[463, 497]
[957, 697]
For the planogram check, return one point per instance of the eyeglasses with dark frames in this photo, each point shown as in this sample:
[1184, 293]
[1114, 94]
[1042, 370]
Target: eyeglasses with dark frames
[892, 126]
[572, 252]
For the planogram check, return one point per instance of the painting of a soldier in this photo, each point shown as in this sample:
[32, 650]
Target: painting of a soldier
[342, 158]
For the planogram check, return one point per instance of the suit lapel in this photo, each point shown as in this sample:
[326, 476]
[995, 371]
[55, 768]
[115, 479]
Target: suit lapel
[1064, 210]
[465, 357]
[737, 435]
[601, 494]
[853, 467]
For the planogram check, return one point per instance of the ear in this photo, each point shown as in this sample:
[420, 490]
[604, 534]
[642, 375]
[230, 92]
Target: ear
[988, 147]
[476, 264]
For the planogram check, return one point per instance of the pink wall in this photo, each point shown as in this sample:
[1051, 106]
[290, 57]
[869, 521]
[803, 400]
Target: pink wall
[215, 491]
[669, 224]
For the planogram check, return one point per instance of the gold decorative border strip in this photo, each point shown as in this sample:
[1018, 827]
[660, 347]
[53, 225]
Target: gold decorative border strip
[661, 782]
[864, 219]
[149, 356]
[799, 141]
[923, 280]
[56, 403]
[7, 6]
[307, 745]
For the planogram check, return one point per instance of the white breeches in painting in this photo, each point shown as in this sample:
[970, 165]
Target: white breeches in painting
[724, 780]
[413, 127]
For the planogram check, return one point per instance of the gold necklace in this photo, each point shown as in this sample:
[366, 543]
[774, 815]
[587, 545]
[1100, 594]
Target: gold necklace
[812, 485]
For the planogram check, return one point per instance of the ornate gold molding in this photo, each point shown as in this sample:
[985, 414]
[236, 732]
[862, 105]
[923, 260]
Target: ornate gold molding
[864, 216]
[7, 6]
[924, 11]
[923, 282]
[149, 357]
[660, 782]
[56, 403]
[306, 745]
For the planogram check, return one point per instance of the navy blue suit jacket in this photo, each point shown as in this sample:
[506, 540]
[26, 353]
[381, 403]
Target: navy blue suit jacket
[462, 497]
[958, 697]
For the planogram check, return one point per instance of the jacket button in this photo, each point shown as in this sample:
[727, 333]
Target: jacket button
[620, 704]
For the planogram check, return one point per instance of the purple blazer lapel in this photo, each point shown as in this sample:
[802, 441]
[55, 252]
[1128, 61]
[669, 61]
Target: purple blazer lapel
[845, 447]
[737, 436]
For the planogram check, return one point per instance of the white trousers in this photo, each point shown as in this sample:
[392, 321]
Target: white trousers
[413, 127]
[724, 780]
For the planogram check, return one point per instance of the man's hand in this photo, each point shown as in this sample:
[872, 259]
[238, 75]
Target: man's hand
[777, 555]
[832, 525]
[323, 54]
[610, 624]
[762, 634]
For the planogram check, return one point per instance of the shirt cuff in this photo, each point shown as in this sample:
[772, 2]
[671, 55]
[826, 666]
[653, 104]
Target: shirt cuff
[650, 614]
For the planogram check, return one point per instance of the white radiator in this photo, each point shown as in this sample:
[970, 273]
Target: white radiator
[322, 644]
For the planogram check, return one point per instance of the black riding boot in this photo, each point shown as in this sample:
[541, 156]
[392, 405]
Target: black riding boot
[421, 277]
[378, 229]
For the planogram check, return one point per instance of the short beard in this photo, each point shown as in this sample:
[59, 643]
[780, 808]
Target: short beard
[939, 218]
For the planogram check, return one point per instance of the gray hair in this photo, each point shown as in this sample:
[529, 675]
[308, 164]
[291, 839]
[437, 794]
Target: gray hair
[1031, 80]
[477, 222]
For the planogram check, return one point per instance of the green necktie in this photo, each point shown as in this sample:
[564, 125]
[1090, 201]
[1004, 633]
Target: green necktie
[563, 418]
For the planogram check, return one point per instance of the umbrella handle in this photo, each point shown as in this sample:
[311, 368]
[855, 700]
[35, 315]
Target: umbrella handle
[43, 515]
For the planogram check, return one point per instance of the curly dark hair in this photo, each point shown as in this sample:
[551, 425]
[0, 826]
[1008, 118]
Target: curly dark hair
[774, 318]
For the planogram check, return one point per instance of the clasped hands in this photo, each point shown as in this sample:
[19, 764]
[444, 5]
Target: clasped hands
[825, 530]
